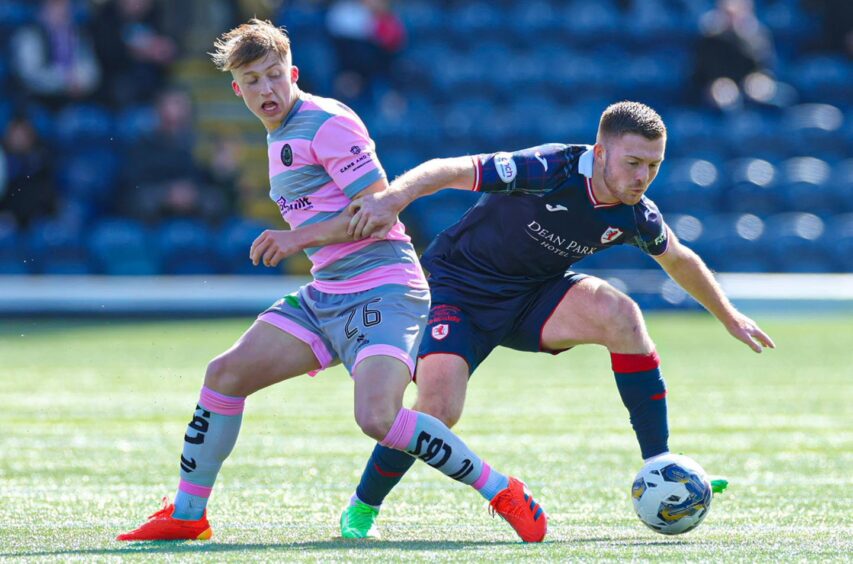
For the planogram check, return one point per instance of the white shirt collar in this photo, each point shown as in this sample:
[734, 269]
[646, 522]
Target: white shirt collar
[585, 162]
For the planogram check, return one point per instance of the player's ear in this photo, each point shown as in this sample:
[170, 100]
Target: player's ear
[294, 73]
[598, 150]
[236, 88]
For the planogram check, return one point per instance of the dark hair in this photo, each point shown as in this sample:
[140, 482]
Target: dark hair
[631, 117]
[248, 42]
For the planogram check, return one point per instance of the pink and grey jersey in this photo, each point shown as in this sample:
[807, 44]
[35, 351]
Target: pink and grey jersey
[320, 158]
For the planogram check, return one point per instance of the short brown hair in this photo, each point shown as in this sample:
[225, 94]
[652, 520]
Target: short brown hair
[631, 117]
[249, 42]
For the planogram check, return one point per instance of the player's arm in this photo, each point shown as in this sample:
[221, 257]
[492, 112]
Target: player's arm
[376, 214]
[689, 270]
[274, 245]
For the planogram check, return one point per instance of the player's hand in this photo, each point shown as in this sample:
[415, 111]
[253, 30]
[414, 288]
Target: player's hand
[272, 246]
[374, 215]
[745, 329]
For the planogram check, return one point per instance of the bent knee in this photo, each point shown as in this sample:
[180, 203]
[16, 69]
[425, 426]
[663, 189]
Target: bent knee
[443, 410]
[225, 376]
[621, 320]
[375, 423]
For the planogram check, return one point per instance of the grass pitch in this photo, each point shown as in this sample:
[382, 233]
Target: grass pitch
[93, 416]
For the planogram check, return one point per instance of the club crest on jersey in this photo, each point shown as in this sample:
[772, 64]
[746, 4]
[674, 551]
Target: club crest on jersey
[610, 234]
[505, 165]
[287, 155]
[440, 331]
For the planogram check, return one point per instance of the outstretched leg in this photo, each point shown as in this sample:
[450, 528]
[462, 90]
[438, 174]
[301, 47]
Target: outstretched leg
[263, 356]
[592, 311]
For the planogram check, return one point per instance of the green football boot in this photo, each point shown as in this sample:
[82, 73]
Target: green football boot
[358, 521]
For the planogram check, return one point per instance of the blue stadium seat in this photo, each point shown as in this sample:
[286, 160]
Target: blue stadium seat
[755, 133]
[689, 186]
[693, 133]
[421, 18]
[822, 78]
[591, 21]
[734, 242]
[89, 174]
[134, 123]
[842, 182]
[478, 20]
[797, 243]
[185, 246]
[839, 241]
[79, 123]
[535, 21]
[816, 126]
[13, 256]
[15, 13]
[753, 187]
[233, 242]
[806, 186]
[121, 246]
[688, 228]
[58, 247]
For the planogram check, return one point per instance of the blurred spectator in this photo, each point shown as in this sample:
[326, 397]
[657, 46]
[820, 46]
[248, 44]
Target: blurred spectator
[161, 177]
[29, 190]
[734, 56]
[54, 58]
[134, 51]
[367, 36]
[222, 174]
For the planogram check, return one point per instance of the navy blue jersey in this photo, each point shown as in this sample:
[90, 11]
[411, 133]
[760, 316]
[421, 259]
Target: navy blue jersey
[537, 217]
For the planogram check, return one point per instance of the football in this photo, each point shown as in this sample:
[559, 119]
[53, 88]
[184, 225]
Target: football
[671, 494]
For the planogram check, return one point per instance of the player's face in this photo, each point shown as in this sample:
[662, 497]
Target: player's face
[268, 87]
[629, 164]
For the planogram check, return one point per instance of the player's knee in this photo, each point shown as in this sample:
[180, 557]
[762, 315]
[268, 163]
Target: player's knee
[621, 319]
[443, 410]
[223, 376]
[375, 422]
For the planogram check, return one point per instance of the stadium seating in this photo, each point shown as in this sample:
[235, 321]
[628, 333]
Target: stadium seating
[798, 243]
[122, 246]
[233, 241]
[13, 259]
[757, 188]
[186, 247]
[58, 247]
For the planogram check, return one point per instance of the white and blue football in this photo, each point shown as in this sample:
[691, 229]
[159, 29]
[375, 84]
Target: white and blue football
[671, 494]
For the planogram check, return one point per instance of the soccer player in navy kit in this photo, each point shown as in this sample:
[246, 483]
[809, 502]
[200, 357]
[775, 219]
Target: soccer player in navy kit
[500, 275]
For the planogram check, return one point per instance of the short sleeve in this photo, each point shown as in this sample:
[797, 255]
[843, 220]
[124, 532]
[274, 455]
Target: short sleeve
[536, 170]
[347, 153]
[652, 235]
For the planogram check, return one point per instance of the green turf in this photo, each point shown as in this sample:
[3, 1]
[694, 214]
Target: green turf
[92, 417]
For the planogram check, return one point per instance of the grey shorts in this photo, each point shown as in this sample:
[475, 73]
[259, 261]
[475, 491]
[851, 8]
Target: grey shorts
[388, 320]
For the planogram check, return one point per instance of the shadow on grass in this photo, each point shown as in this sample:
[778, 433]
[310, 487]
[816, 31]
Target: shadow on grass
[185, 547]
[636, 542]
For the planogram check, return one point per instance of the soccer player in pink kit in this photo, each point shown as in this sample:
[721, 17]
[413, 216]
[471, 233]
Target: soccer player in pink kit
[366, 307]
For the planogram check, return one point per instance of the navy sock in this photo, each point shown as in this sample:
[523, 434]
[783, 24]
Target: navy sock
[643, 392]
[385, 468]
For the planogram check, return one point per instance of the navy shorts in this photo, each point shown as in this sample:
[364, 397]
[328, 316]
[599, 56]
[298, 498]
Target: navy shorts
[470, 326]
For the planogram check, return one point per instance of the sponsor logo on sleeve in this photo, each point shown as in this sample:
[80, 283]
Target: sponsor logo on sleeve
[555, 207]
[506, 167]
[610, 234]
